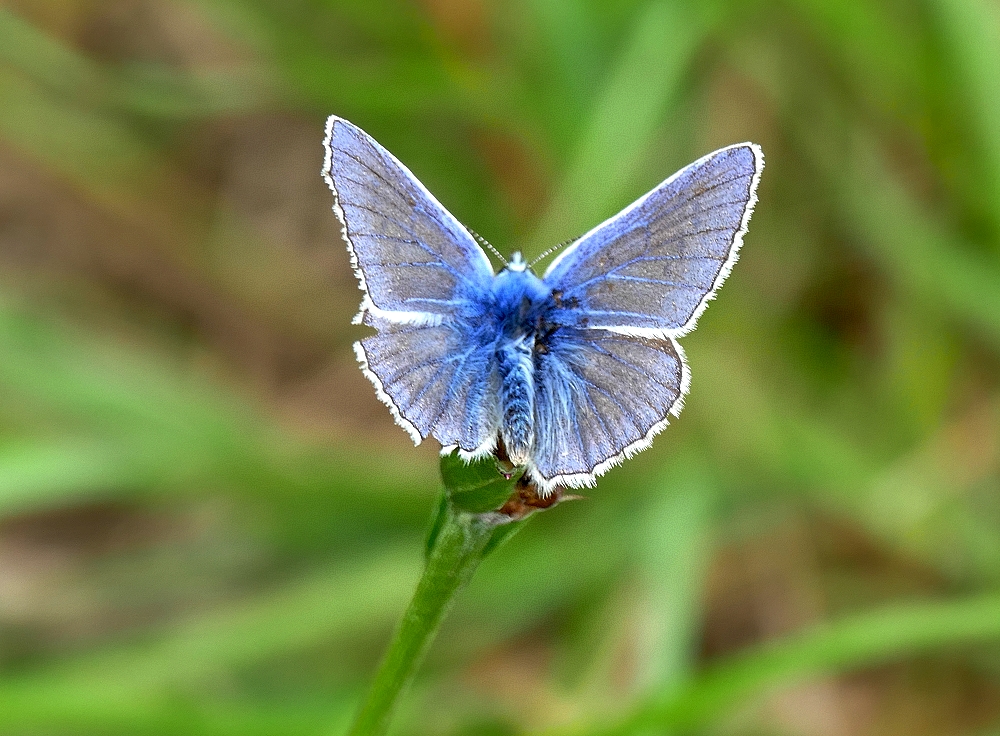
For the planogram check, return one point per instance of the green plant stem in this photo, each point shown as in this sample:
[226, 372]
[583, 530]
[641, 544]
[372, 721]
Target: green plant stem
[457, 548]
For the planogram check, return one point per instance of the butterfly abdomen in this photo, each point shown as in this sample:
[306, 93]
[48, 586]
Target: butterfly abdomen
[517, 398]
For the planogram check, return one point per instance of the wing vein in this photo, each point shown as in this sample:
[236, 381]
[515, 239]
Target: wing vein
[405, 196]
[444, 364]
[677, 205]
[643, 280]
[644, 258]
[632, 366]
[625, 412]
[416, 241]
[451, 389]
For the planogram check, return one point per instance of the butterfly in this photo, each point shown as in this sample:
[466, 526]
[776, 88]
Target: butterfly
[566, 375]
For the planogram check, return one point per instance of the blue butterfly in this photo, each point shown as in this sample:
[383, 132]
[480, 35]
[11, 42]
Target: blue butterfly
[567, 374]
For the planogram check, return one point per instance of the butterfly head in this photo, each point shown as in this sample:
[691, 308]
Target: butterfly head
[517, 264]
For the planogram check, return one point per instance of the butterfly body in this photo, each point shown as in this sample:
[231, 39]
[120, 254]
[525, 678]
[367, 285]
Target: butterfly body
[523, 305]
[572, 371]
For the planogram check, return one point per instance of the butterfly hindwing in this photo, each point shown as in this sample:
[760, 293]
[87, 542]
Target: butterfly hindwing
[652, 268]
[414, 260]
[600, 396]
[434, 379]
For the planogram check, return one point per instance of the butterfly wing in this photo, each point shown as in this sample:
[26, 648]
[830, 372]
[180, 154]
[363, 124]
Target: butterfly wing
[435, 381]
[413, 259]
[613, 372]
[421, 273]
[651, 269]
[600, 397]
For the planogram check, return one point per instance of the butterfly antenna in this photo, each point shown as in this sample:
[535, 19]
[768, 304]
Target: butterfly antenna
[552, 250]
[487, 244]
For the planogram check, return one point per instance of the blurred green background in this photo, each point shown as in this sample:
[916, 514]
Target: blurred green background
[209, 525]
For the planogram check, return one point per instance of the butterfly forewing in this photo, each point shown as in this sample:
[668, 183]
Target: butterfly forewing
[652, 268]
[413, 258]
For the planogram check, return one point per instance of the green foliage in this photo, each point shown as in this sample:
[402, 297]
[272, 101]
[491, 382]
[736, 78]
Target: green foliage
[209, 526]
